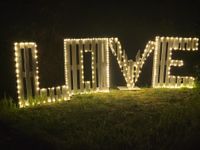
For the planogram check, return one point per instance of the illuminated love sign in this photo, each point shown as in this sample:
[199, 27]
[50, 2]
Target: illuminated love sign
[74, 52]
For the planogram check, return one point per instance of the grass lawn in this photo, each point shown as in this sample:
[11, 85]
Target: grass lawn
[161, 119]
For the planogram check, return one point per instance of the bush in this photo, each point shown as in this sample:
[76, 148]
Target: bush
[197, 76]
[7, 104]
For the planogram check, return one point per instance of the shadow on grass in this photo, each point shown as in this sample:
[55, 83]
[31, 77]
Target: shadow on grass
[147, 119]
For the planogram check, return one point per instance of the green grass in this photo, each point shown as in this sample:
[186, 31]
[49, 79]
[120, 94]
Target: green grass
[160, 119]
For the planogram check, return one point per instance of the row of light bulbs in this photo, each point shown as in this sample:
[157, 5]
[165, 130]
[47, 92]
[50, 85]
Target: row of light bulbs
[173, 42]
[18, 61]
[126, 65]
[130, 77]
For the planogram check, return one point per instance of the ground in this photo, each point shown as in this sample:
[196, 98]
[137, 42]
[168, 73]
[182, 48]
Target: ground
[151, 119]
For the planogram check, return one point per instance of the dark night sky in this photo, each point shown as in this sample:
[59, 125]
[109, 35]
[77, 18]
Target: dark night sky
[48, 23]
